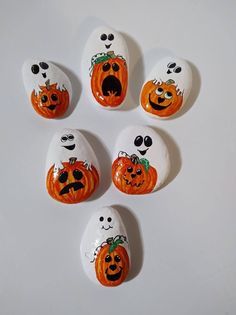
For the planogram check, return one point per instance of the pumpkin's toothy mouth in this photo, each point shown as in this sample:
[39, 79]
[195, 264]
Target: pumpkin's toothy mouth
[131, 184]
[115, 276]
[76, 186]
[108, 46]
[143, 152]
[111, 86]
[69, 147]
[109, 227]
[157, 106]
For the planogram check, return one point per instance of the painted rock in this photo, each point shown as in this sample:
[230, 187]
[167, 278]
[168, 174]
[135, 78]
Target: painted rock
[105, 68]
[72, 169]
[166, 88]
[141, 161]
[47, 86]
[105, 248]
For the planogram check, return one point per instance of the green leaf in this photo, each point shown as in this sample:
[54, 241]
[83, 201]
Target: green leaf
[145, 163]
[114, 245]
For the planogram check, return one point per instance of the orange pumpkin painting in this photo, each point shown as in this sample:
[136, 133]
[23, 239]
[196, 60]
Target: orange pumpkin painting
[132, 175]
[72, 184]
[109, 79]
[112, 263]
[50, 102]
[162, 99]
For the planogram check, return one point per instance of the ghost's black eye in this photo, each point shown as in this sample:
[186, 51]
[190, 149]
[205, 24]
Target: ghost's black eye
[44, 98]
[54, 97]
[115, 67]
[148, 141]
[177, 70]
[106, 66]
[71, 137]
[138, 172]
[138, 141]
[35, 69]
[171, 65]
[63, 177]
[43, 65]
[101, 219]
[108, 258]
[110, 36]
[130, 169]
[77, 174]
[103, 37]
[117, 258]
[64, 138]
[109, 219]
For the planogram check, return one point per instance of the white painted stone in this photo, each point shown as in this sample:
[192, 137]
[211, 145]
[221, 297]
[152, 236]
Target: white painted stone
[104, 40]
[70, 144]
[39, 73]
[146, 143]
[172, 71]
[103, 224]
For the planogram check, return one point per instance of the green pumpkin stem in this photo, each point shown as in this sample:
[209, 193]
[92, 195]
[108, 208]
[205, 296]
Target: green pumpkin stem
[113, 244]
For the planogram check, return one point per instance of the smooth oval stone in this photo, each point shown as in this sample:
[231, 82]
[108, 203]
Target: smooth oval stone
[72, 169]
[167, 88]
[105, 68]
[47, 86]
[104, 248]
[141, 161]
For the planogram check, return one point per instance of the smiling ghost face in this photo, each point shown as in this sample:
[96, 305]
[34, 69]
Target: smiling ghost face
[107, 39]
[67, 141]
[106, 220]
[40, 69]
[142, 144]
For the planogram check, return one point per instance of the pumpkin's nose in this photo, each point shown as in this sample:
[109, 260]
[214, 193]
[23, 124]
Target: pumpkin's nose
[161, 99]
[133, 175]
[113, 267]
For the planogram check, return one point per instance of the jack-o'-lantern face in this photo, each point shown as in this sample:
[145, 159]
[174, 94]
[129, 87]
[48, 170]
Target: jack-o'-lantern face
[161, 99]
[109, 79]
[133, 175]
[74, 183]
[112, 263]
[50, 102]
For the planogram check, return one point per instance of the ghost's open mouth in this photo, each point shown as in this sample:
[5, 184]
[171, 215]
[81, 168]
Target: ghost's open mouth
[106, 229]
[44, 74]
[111, 86]
[69, 147]
[157, 106]
[143, 152]
[115, 276]
[108, 46]
[131, 184]
[76, 186]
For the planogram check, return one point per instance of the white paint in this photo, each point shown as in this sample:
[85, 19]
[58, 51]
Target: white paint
[98, 232]
[53, 73]
[96, 46]
[68, 143]
[157, 154]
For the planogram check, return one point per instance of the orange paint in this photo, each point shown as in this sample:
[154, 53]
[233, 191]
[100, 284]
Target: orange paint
[112, 264]
[132, 177]
[50, 102]
[161, 99]
[109, 80]
[74, 183]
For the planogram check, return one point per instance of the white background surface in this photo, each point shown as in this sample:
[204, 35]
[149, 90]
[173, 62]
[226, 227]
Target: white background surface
[182, 237]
